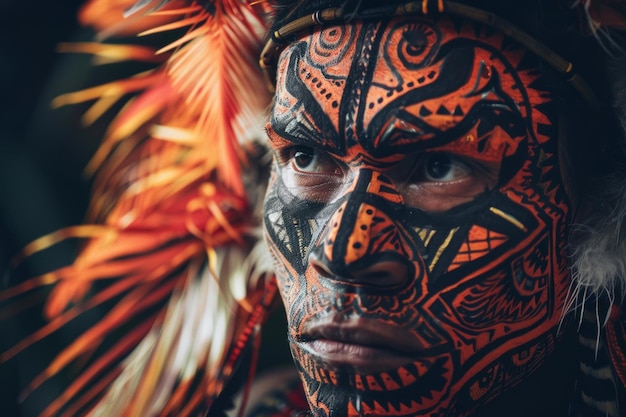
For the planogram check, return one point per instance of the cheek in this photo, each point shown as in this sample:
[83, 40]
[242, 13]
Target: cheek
[521, 298]
[287, 232]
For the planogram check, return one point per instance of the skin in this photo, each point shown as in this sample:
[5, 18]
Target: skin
[416, 216]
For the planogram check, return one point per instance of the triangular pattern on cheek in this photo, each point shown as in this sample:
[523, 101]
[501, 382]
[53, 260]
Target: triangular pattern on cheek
[275, 219]
[480, 242]
[435, 242]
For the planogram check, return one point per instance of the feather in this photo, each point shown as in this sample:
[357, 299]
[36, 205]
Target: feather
[212, 65]
[170, 230]
[108, 17]
[141, 4]
[109, 54]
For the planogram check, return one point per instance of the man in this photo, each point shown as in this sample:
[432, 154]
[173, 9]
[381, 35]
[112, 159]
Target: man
[426, 180]
[419, 212]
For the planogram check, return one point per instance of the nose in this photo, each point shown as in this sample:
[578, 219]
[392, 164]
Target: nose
[377, 273]
[362, 244]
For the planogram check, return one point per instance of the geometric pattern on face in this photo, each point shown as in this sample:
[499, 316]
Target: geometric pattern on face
[415, 193]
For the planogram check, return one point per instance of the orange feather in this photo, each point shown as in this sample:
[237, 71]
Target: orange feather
[172, 226]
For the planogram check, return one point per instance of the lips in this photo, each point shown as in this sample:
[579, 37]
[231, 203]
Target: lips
[360, 343]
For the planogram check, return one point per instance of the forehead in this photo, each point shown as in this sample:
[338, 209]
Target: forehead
[406, 84]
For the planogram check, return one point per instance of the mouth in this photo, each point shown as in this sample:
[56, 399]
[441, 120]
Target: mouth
[365, 345]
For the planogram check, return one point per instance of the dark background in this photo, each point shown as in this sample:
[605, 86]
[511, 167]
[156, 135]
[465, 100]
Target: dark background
[41, 151]
[42, 155]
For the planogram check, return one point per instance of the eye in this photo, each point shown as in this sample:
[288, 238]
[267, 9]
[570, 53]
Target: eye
[310, 173]
[303, 159]
[438, 181]
[442, 167]
[307, 160]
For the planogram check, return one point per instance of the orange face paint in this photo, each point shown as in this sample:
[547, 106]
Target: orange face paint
[416, 216]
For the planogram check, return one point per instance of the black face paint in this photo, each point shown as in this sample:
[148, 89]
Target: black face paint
[416, 216]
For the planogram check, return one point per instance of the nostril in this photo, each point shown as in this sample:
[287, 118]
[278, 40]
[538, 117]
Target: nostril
[382, 270]
[385, 272]
[320, 268]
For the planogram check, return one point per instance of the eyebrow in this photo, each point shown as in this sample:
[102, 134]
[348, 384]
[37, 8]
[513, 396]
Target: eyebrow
[430, 138]
[293, 130]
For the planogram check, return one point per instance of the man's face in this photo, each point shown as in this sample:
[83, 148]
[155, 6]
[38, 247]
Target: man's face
[416, 215]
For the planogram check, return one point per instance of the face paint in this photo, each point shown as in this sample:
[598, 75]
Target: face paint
[416, 216]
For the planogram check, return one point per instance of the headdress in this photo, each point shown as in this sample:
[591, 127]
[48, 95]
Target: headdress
[172, 244]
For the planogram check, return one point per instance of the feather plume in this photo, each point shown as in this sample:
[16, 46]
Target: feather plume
[170, 230]
[125, 17]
